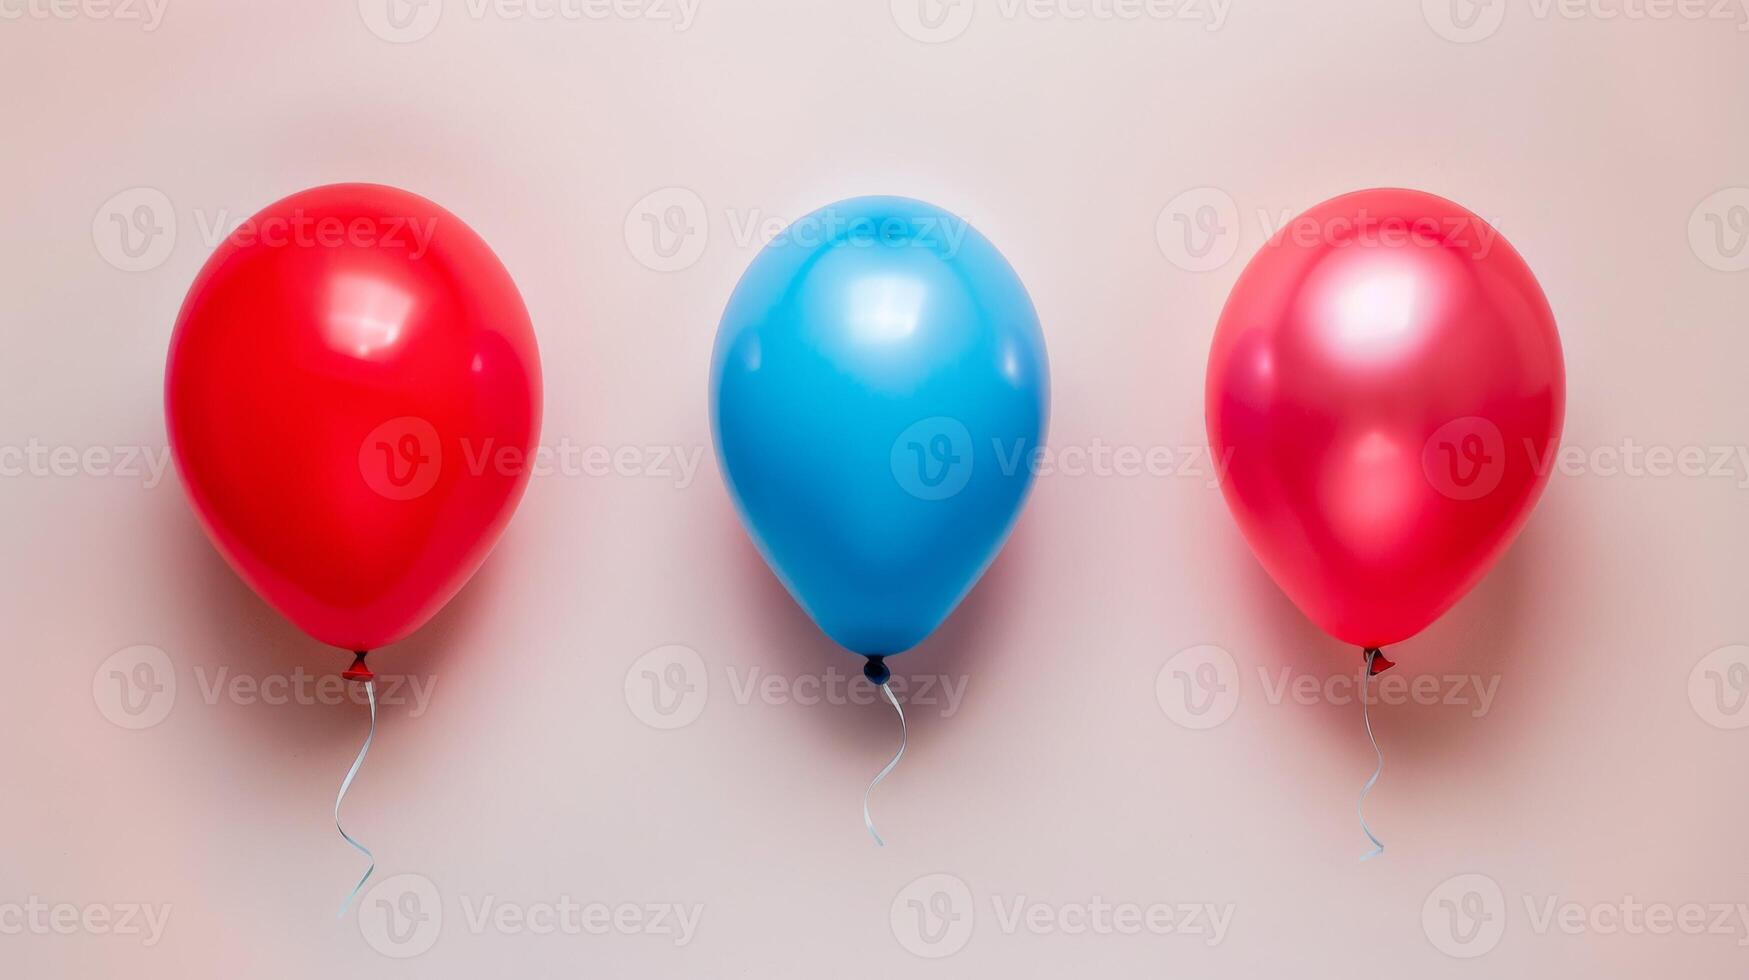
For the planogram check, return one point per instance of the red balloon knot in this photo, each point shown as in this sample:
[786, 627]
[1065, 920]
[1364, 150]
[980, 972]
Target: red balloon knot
[358, 671]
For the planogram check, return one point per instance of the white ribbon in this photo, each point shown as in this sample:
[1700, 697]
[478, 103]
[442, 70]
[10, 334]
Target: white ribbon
[1378, 846]
[370, 690]
[868, 821]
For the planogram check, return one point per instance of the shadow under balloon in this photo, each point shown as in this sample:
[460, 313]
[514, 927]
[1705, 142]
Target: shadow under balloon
[1476, 642]
[240, 636]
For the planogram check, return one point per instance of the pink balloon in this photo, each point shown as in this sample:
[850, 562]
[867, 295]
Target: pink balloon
[1386, 387]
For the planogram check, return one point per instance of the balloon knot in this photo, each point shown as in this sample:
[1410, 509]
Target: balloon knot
[876, 671]
[1376, 662]
[358, 671]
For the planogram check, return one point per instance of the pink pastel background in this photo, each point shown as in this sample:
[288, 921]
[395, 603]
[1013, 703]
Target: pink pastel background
[1604, 768]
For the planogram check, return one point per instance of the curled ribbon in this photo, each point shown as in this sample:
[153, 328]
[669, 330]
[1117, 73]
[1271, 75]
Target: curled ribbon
[904, 737]
[370, 691]
[1378, 846]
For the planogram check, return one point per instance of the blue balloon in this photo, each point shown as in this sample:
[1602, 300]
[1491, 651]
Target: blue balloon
[879, 390]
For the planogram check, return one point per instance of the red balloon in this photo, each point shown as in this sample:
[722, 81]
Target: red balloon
[354, 396]
[1386, 388]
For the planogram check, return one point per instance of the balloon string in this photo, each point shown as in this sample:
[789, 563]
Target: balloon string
[370, 691]
[904, 737]
[1378, 846]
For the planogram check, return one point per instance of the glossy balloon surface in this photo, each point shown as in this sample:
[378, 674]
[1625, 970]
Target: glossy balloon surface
[1386, 389]
[878, 390]
[353, 392]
